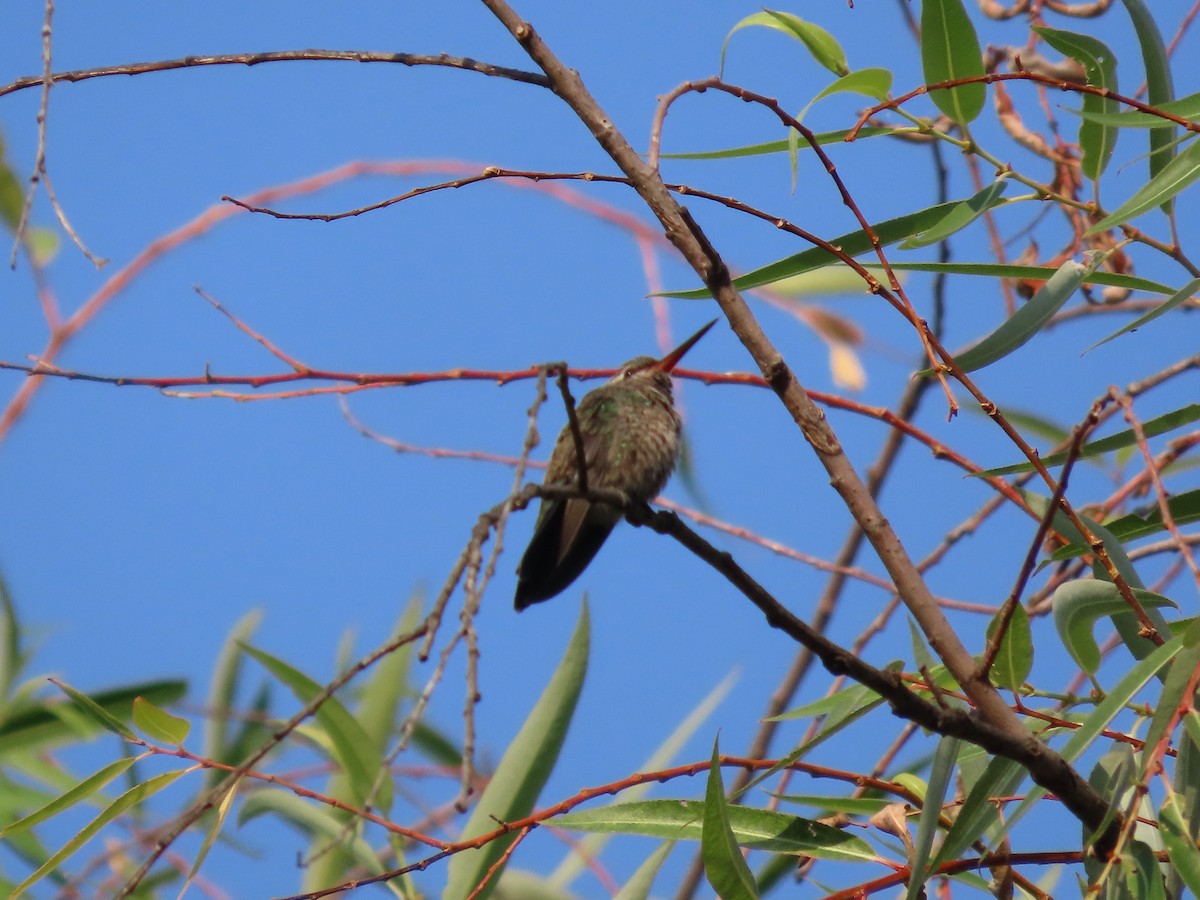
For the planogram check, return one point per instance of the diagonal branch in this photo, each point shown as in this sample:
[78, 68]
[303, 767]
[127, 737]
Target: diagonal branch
[699, 253]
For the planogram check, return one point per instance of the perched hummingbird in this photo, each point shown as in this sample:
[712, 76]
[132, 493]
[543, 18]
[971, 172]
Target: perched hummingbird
[630, 435]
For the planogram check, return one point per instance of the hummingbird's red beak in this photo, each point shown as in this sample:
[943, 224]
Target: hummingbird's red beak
[668, 362]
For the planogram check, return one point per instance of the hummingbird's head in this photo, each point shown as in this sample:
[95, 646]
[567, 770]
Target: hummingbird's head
[643, 371]
[658, 371]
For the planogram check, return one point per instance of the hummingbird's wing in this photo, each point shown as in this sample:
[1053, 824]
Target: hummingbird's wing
[568, 533]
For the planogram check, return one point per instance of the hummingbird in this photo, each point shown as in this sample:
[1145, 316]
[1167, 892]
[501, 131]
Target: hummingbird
[630, 431]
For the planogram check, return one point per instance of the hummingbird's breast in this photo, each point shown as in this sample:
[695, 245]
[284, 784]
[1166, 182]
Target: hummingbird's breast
[640, 445]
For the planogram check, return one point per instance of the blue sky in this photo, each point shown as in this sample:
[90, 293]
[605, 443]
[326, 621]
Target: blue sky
[138, 528]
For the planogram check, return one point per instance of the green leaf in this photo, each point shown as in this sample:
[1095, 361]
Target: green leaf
[1152, 428]
[1183, 294]
[979, 814]
[963, 214]
[724, 865]
[1180, 842]
[1033, 273]
[12, 197]
[1185, 798]
[950, 51]
[757, 829]
[770, 147]
[874, 83]
[927, 825]
[1084, 737]
[43, 726]
[1185, 509]
[1027, 321]
[584, 852]
[12, 657]
[226, 674]
[1015, 660]
[210, 835]
[1159, 86]
[1172, 695]
[159, 724]
[81, 791]
[1175, 176]
[129, 799]
[838, 707]
[524, 768]
[1079, 604]
[852, 243]
[820, 43]
[352, 748]
[639, 884]
[95, 711]
[1096, 140]
[1185, 108]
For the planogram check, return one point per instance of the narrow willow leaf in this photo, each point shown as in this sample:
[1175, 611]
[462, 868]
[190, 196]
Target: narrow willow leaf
[1014, 661]
[1151, 427]
[1096, 140]
[1112, 778]
[1079, 604]
[1033, 273]
[1177, 175]
[1180, 842]
[927, 824]
[1183, 294]
[95, 711]
[226, 674]
[158, 724]
[771, 147]
[361, 762]
[11, 195]
[1027, 321]
[1142, 873]
[1185, 509]
[1159, 87]
[979, 815]
[130, 798]
[1172, 695]
[724, 865]
[12, 659]
[1185, 108]
[852, 243]
[964, 213]
[43, 726]
[1185, 796]
[949, 51]
[210, 835]
[839, 706]
[81, 791]
[639, 884]
[584, 852]
[527, 763]
[874, 83]
[757, 829]
[1084, 737]
[820, 43]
